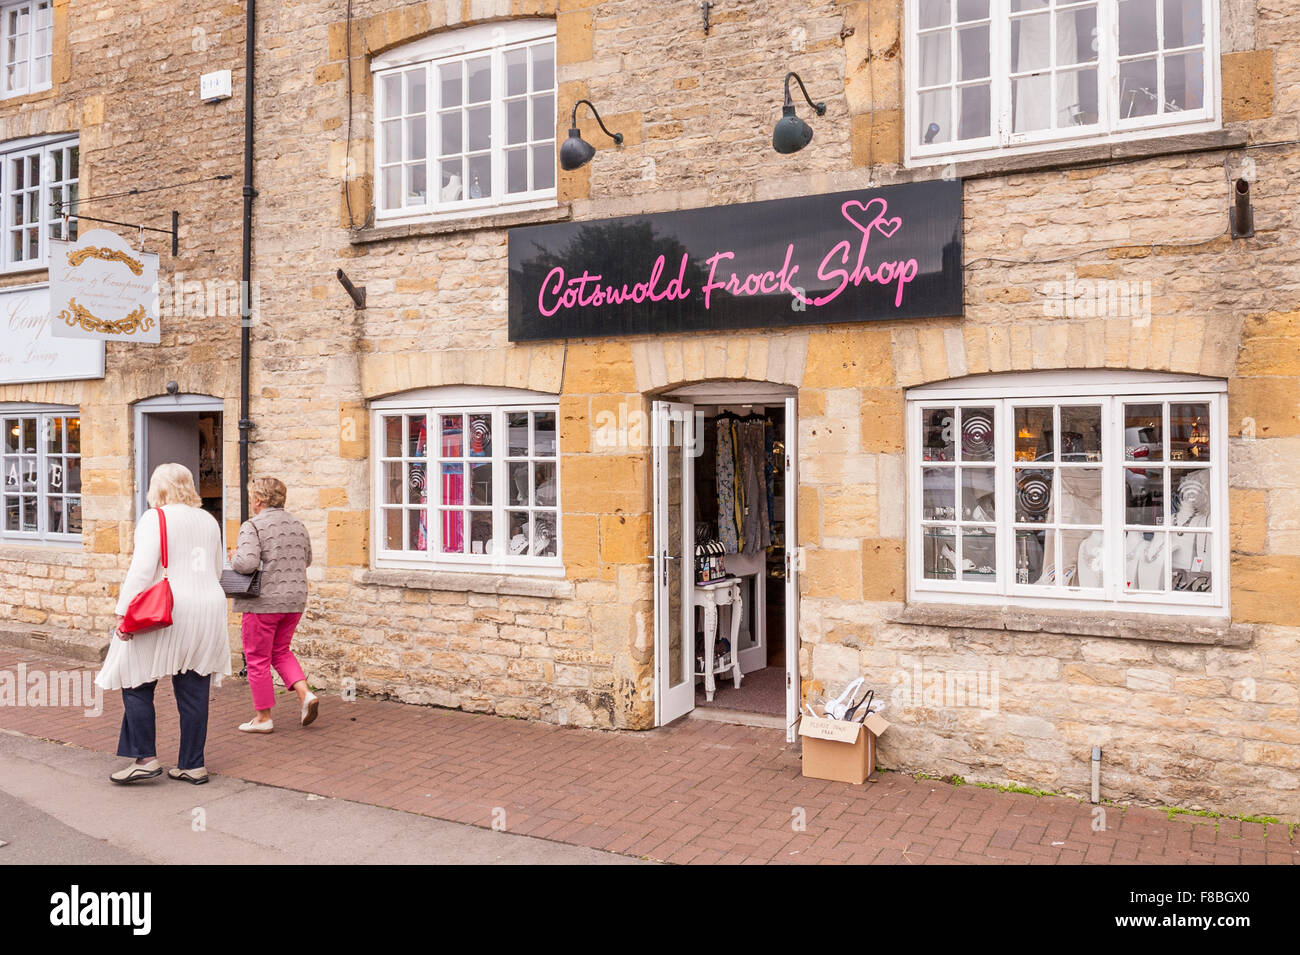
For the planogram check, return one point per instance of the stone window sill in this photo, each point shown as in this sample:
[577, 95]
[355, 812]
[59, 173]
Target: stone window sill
[1161, 628]
[1098, 153]
[497, 220]
[57, 553]
[501, 584]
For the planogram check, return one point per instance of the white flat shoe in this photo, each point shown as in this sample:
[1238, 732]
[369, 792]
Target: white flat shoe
[254, 726]
[309, 708]
[133, 772]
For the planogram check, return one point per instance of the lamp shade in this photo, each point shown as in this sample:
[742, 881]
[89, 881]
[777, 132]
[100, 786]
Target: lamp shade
[576, 152]
[791, 133]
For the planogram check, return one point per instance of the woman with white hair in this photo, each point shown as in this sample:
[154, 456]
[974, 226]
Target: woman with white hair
[191, 649]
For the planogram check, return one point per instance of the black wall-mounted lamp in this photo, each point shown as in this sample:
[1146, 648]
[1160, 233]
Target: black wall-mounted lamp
[792, 133]
[576, 151]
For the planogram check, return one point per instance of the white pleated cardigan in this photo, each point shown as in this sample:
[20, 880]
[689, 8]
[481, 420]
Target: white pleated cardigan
[197, 638]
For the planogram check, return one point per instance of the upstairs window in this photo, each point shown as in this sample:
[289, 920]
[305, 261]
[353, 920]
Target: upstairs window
[465, 122]
[33, 177]
[26, 46]
[990, 76]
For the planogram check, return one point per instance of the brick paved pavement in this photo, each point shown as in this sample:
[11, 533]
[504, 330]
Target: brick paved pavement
[694, 792]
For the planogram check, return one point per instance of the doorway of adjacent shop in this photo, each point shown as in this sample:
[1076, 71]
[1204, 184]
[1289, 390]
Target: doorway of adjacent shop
[185, 429]
[725, 569]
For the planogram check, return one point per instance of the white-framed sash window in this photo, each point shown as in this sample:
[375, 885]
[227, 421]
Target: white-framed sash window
[1057, 495]
[41, 462]
[26, 47]
[465, 122]
[467, 479]
[990, 77]
[33, 175]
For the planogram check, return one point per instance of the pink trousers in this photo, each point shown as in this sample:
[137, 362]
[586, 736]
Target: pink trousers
[266, 639]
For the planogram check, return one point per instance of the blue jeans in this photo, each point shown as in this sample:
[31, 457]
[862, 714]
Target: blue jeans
[137, 737]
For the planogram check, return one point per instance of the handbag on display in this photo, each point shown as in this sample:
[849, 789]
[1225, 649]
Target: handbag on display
[151, 609]
[236, 584]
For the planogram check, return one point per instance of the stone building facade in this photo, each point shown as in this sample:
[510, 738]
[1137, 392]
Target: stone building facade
[1189, 709]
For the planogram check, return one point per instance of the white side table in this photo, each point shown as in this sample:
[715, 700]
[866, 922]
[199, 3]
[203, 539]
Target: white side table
[711, 596]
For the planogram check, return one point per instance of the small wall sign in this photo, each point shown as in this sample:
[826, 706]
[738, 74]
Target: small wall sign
[869, 255]
[101, 288]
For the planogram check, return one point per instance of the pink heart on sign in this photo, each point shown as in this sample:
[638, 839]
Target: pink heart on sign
[887, 227]
[844, 210]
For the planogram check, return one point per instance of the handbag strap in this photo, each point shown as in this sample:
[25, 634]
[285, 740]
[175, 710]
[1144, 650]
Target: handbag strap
[162, 532]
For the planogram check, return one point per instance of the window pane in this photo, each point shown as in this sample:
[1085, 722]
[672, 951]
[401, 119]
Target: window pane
[453, 484]
[977, 438]
[417, 484]
[544, 535]
[1034, 438]
[1031, 103]
[518, 544]
[979, 555]
[1189, 432]
[481, 533]
[543, 66]
[544, 434]
[937, 494]
[543, 117]
[392, 187]
[416, 138]
[29, 435]
[939, 557]
[1076, 98]
[977, 497]
[452, 181]
[453, 532]
[74, 475]
[417, 436]
[415, 91]
[1076, 36]
[973, 53]
[1035, 557]
[53, 435]
[935, 58]
[517, 423]
[1033, 495]
[449, 82]
[544, 166]
[972, 10]
[450, 141]
[1137, 26]
[1144, 490]
[392, 482]
[1191, 563]
[937, 428]
[934, 13]
[392, 436]
[451, 435]
[11, 512]
[975, 106]
[72, 508]
[516, 63]
[417, 186]
[418, 528]
[1144, 560]
[478, 123]
[1081, 433]
[1143, 432]
[1031, 43]
[392, 98]
[480, 486]
[480, 176]
[516, 121]
[935, 111]
[1184, 82]
[544, 483]
[519, 491]
[480, 435]
[517, 170]
[1190, 491]
[1084, 556]
[1182, 23]
[1080, 495]
[479, 80]
[1137, 89]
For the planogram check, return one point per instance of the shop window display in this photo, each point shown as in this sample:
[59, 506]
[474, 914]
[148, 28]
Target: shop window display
[1103, 498]
[41, 461]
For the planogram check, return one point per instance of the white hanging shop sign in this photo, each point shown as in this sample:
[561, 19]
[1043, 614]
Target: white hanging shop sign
[103, 289]
[29, 353]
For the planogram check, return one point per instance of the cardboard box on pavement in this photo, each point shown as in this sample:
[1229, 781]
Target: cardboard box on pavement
[840, 750]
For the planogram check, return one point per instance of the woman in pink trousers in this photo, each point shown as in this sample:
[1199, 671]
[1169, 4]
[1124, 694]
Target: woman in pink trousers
[276, 541]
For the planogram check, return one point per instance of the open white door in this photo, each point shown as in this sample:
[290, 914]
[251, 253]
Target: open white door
[792, 688]
[673, 427]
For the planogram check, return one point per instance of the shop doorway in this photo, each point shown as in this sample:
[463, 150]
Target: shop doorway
[725, 508]
[185, 429]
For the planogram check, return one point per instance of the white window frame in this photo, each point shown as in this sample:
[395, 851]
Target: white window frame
[1111, 390]
[35, 53]
[1109, 128]
[47, 225]
[494, 39]
[499, 402]
[42, 414]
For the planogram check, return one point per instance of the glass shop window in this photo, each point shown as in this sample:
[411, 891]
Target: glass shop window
[42, 475]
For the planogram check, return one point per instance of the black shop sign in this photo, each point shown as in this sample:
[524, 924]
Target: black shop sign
[861, 256]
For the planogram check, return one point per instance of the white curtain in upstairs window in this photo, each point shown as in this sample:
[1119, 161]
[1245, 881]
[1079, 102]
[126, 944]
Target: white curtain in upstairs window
[1031, 49]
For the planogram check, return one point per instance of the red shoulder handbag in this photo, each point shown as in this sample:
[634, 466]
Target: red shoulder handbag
[151, 609]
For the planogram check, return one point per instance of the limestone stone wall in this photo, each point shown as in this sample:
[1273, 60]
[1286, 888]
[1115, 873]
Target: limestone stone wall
[126, 80]
[1177, 721]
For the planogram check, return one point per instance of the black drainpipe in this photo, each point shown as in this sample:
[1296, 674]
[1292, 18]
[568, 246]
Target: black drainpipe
[246, 265]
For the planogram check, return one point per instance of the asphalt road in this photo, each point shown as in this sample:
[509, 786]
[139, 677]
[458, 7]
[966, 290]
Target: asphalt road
[57, 806]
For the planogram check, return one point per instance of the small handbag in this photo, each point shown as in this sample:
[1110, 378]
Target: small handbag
[236, 584]
[152, 609]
